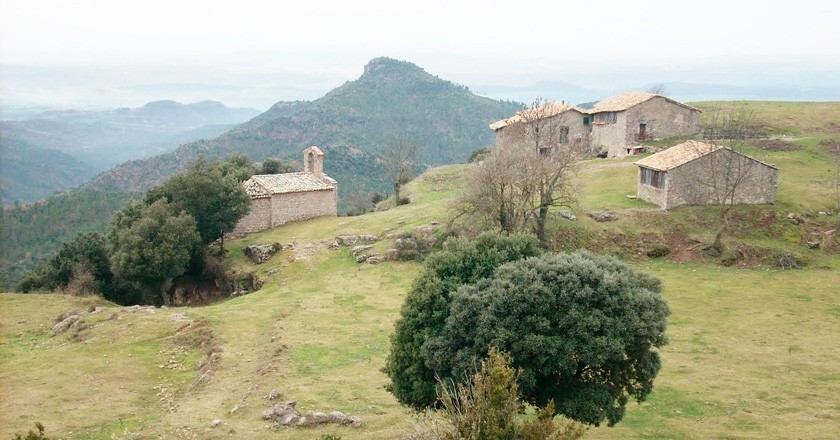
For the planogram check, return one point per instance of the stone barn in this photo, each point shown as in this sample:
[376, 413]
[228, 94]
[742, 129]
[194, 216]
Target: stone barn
[280, 198]
[697, 173]
[569, 124]
[619, 124]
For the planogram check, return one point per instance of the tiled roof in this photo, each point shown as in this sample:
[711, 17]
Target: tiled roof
[551, 108]
[677, 155]
[264, 185]
[626, 100]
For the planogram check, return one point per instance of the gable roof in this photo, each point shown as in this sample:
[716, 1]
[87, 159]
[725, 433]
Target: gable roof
[683, 153]
[547, 110]
[677, 155]
[264, 185]
[624, 101]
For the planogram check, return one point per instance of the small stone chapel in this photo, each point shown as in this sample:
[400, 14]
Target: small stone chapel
[281, 198]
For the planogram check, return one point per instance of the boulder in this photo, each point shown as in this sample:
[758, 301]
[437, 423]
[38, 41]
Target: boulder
[795, 218]
[65, 324]
[374, 259]
[260, 253]
[392, 254]
[602, 216]
[568, 215]
[369, 238]
[361, 253]
[215, 423]
[347, 240]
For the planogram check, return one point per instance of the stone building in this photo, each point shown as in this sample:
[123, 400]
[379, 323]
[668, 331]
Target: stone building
[697, 173]
[614, 127]
[569, 124]
[620, 123]
[280, 198]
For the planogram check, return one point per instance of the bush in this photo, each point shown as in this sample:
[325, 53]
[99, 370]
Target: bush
[487, 406]
[426, 307]
[569, 322]
[478, 155]
[32, 435]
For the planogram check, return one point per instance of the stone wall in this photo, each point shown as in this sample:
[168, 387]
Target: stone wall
[302, 205]
[283, 208]
[578, 132]
[258, 219]
[662, 119]
[690, 183]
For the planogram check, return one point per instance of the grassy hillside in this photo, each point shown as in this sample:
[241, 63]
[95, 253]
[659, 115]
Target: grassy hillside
[753, 349]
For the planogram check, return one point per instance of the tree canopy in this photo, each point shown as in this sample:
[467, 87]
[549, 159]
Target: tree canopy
[152, 244]
[426, 307]
[583, 330]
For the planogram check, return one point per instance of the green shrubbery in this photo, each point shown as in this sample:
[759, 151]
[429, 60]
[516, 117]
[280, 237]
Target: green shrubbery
[582, 329]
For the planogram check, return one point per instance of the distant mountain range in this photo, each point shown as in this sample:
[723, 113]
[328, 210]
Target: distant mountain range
[58, 150]
[355, 124]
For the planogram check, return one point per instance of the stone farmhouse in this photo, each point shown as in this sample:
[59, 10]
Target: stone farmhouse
[613, 127]
[280, 198]
[570, 122]
[697, 173]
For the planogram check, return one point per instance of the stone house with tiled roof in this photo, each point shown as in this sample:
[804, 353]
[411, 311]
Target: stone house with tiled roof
[613, 127]
[281, 198]
[620, 123]
[570, 123]
[697, 173]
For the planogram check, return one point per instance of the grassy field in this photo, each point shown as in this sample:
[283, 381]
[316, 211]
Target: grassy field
[753, 353]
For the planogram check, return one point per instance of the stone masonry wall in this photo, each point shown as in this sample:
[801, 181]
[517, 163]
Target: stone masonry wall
[302, 205]
[650, 193]
[258, 219]
[664, 119]
[572, 119]
[758, 187]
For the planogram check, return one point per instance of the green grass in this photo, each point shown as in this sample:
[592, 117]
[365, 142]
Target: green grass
[753, 352]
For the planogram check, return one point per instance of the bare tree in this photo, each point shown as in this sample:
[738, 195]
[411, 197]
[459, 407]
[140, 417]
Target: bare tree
[400, 162]
[722, 172]
[658, 89]
[525, 175]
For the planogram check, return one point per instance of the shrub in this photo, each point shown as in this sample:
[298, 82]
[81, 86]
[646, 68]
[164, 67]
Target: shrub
[426, 307]
[32, 435]
[582, 329]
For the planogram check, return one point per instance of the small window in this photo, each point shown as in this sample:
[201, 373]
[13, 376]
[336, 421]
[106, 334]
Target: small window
[653, 178]
[586, 120]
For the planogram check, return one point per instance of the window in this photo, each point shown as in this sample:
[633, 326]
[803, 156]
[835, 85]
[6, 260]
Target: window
[563, 135]
[653, 178]
[606, 117]
[586, 120]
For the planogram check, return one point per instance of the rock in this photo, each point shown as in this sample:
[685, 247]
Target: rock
[347, 240]
[234, 409]
[368, 238]
[338, 417]
[179, 317]
[632, 196]
[602, 216]
[361, 253]
[352, 421]
[392, 255]
[405, 243]
[315, 417]
[795, 218]
[569, 215]
[273, 395]
[65, 324]
[273, 271]
[334, 245]
[374, 259]
[215, 423]
[98, 309]
[812, 244]
[260, 253]
[434, 223]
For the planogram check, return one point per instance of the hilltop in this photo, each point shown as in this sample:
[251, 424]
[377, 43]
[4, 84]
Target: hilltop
[354, 124]
[752, 351]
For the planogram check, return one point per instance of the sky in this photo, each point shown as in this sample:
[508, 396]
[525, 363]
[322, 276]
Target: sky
[470, 42]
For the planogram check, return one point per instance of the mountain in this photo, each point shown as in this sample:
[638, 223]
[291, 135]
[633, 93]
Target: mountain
[28, 172]
[72, 146]
[354, 124]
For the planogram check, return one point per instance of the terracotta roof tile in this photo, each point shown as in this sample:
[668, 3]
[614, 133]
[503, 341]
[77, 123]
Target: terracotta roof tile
[677, 155]
[264, 185]
[551, 108]
[626, 100]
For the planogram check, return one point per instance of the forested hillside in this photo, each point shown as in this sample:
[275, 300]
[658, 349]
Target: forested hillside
[76, 145]
[392, 101]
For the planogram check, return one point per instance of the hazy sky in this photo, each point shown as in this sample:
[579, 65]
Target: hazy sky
[465, 41]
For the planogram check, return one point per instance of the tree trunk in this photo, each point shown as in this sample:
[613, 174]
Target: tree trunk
[222, 245]
[717, 246]
[164, 292]
[397, 193]
[542, 217]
